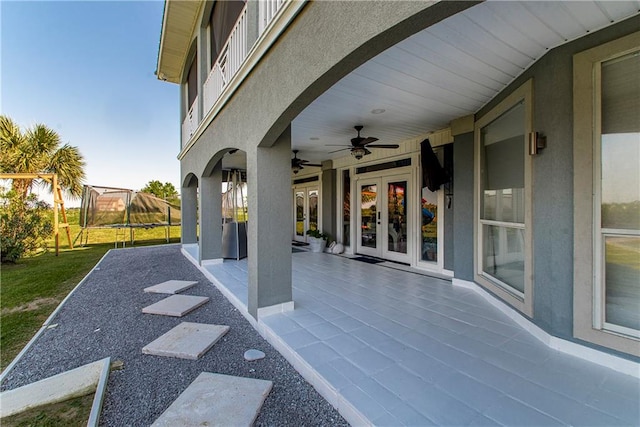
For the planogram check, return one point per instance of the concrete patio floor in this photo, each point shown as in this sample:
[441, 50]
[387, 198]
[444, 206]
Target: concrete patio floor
[390, 347]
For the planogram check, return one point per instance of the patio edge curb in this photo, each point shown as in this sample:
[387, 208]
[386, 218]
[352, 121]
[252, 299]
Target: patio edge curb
[589, 354]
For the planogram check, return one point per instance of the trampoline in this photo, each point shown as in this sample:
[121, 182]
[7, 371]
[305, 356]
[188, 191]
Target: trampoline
[124, 211]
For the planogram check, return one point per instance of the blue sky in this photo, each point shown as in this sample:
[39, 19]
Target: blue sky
[86, 69]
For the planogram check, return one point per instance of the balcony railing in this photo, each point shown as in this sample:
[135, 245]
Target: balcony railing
[231, 58]
[190, 123]
[268, 10]
[229, 61]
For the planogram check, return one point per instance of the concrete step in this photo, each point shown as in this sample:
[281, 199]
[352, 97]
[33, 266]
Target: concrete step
[186, 341]
[217, 400]
[176, 305]
[171, 287]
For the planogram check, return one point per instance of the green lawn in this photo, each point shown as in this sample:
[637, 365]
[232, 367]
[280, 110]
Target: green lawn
[32, 288]
[70, 413]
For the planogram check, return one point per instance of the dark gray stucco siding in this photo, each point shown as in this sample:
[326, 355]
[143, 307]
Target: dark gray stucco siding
[328, 203]
[449, 241]
[463, 206]
[553, 196]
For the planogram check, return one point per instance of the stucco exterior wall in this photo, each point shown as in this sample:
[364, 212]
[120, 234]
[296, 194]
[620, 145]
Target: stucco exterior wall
[293, 73]
[463, 206]
[553, 179]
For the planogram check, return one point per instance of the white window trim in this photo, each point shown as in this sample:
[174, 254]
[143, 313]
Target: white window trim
[524, 301]
[587, 303]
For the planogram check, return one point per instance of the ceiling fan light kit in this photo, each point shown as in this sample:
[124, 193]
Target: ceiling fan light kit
[298, 164]
[358, 152]
[360, 145]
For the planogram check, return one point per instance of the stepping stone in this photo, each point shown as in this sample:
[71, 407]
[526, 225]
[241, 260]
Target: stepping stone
[217, 400]
[171, 287]
[176, 305]
[251, 355]
[186, 341]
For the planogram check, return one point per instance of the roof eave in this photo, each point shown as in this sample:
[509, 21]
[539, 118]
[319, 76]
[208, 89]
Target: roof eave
[179, 22]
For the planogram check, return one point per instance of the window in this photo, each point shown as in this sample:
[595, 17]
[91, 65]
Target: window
[619, 230]
[503, 200]
[192, 83]
[224, 16]
[607, 194]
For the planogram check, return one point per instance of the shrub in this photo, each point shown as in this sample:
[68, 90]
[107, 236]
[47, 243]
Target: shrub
[24, 225]
[318, 234]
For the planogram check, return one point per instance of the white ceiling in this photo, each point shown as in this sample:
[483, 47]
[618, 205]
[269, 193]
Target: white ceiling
[447, 71]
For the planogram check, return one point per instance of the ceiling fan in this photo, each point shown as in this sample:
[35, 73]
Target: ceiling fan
[360, 145]
[298, 164]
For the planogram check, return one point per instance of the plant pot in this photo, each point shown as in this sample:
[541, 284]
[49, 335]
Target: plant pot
[317, 245]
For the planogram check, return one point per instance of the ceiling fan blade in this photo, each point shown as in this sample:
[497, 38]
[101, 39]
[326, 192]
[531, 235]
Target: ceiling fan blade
[306, 163]
[314, 165]
[383, 146]
[366, 152]
[368, 141]
[342, 149]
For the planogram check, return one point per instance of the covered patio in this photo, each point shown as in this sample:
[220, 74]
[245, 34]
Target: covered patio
[389, 345]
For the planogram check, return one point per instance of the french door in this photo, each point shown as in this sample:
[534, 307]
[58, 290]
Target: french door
[383, 206]
[306, 211]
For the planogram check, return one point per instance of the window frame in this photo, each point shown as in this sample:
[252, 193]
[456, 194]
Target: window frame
[588, 310]
[522, 302]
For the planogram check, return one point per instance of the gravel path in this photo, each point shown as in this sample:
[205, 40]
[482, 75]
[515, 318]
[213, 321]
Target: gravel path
[103, 318]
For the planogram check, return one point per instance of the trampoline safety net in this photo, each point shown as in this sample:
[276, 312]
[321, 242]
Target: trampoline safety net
[117, 207]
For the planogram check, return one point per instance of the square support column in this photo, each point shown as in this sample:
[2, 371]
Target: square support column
[269, 227]
[211, 216]
[328, 203]
[189, 219]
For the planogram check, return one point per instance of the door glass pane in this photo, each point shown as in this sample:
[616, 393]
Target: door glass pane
[313, 209]
[429, 226]
[300, 213]
[622, 281]
[620, 190]
[346, 208]
[503, 255]
[397, 217]
[502, 167]
[368, 209]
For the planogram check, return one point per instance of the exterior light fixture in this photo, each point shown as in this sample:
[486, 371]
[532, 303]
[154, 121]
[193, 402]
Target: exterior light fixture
[536, 143]
[358, 152]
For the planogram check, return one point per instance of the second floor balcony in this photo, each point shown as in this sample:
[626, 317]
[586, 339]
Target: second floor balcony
[224, 73]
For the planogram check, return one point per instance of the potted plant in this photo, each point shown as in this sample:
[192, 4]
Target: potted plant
[317, 240]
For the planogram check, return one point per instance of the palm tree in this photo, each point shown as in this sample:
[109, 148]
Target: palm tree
[39, 150]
